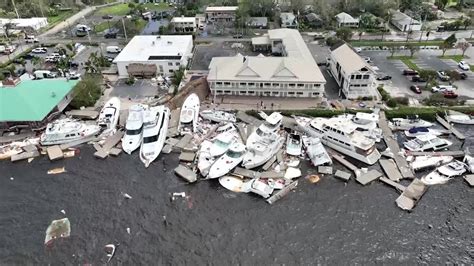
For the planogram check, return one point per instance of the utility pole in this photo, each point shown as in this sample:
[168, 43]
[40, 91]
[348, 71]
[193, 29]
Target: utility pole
[124, 30]
[14, 7]
[422, 25]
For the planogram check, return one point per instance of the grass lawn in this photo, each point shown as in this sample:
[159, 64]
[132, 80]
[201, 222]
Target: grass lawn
[102, 26]
[391, 43]
[456, 58]
[157, 7]
[115, 10]
[406, 60]
[60, 17]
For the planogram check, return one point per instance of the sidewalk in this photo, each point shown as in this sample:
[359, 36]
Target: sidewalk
[255, 103]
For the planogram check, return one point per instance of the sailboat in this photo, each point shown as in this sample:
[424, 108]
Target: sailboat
[133, 128]
[155, 128]
[189, 115]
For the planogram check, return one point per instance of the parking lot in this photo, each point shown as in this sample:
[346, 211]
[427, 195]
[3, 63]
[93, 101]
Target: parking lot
[142, 88]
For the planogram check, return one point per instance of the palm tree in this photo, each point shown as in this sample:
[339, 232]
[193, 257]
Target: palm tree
[387, 17]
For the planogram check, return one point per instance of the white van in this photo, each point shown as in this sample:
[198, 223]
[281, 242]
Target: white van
[113, 49]
[31, 39]
[40, 74]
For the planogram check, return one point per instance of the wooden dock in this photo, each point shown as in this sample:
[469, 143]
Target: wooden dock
[242, 116]
[368, 177]
[174, 120]
[283, 192]
[344, 162]
[184, 141]
[391, 170]
[445, 124]
[83, 114]
[345, 176]
[393, 145]
[394, 184]
[411, 195]
[186, 173]
[109, 143]
[24, 155]
[455, 154]
[242, 131]
[54, 152]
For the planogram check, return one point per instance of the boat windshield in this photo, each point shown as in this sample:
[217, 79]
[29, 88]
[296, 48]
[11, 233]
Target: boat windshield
[132, 132]
[234, 154]
[260, 132]
[221, 144]
[150, 139]
[419, 142]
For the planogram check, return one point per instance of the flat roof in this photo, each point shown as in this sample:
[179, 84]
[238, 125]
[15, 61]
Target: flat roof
[32, 100]
[142, 47]
[221, 8]
[183, 19]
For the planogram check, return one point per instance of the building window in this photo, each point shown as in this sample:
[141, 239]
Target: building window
[243, 84]
[275, 92]
[291, 85]
[251, 84]
[170, 63]
[251, 92]
[363, 85]
[219, 83]
[219, 91]
[267, 84]
[266, 92]
[227, 83]
[299, 93]
[227, 92]
[177, 63]
[300, 85]
[356, 85]
[317, 85]
[358, 76]
[276, 85]
[352, 76]
[366, 77]
[291, 93]
[243, 92]
[171, 70]
[315, 93]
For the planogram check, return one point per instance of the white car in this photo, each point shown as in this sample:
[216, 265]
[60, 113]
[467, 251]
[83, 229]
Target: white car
[358, 49]
[463, 65]
[39, 50]
[74, 75]
[442, 88]
[368, 60]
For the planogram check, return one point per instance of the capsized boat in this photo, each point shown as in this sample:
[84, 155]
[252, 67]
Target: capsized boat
[418, 131]
[411, 121]
[67, 130]
[57, 229]
[133, 128]
[205, 160]
[188, 118]
[316, 151]
[444, 173]
[218, 116]
[228, 161]
[155, 128]
[109, 115]
[426, 161]
[426, 143]
[259, 186]
[233, 183]
[469, 161]
[293, 144]
[459, 118]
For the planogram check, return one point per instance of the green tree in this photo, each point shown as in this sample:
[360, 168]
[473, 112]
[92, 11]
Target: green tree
[393, 49]
[37, 62]
[444, 47]
[467, 22]
[388, 16]
[367, 21]
[344, 34]
[428, 74]
[178, 76]
[413, 5]
[441, 4]
[413, 49]
[463, 45]
[451, 40]
[87, 91]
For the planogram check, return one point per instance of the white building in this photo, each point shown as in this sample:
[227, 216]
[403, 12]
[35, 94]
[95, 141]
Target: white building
[345, 20]
[288, 20]
[25, 24]
[293, 74]
[167, 52]
[404, 22]
[221, 14]
[353, 75]
[184, 24]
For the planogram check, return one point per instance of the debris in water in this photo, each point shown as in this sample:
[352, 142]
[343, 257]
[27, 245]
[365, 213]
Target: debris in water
[178, 194]
[126, 196]
[55, 171]
[69, 154]
[57, 229]
[31, 159]
[110, 250]
[292, 173]
[313, 178]
[11, 178]
[293, 163]
[128, 230]
[63, 212]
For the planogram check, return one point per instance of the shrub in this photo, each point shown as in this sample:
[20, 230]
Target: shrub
[333, 41]
[130, 81]
[392, 103]
[402, 100]
[383, 93]
[87, 91]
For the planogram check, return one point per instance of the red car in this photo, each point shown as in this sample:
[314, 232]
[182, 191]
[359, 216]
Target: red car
[450, 94]
[415, 89]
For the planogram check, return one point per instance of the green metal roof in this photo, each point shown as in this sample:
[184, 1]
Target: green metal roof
[32, 100]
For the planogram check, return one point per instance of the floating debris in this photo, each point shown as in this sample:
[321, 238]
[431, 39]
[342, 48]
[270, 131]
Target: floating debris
[110, 250]
[58, 170]
[63, 212]
[292, 173]
[126, 196]
[57, 229]
[128, 230]
[178, 195]
[313, 178]
[30, 159]
[69, 154]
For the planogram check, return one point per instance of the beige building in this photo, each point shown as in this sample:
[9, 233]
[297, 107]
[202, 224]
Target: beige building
[354, 76]
[345, 20]
[221, 14]
[184, 24]
[294, 73]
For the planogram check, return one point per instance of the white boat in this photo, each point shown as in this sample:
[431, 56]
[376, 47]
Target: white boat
[264, 142]
[228, 127]
[365, 123]
[109, 115]
[308, 125]
[155, 128]
[293, 144]
[67, 130]
[205, 160]
[188, 118]
[459, 118]
[427, 161]
[469, 161]
[316, 151]
[222, 142]
[344, 138]
[418, 131]
[110, 251]
[133, 128]
[228, 161]
[218, 116]
[427, 143]
[233, 183]
[259, 186]
[444, 173]
[412, 121]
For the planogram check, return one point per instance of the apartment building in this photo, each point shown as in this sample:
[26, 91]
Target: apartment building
[221, 14]
[184, 24]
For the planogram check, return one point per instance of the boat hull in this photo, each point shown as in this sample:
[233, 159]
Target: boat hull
[131, 143]
[370, 159]
[250, 160]
[156, 146]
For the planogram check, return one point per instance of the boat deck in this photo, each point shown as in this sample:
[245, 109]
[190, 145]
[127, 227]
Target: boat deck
[391, 170]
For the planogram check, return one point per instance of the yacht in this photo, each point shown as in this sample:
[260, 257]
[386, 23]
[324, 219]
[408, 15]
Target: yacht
[109, 115]
[293, 144]
[459, 118]
[366, 123]
[228, 161]
[189, 115]
[222, 142]
[444, 173]
[427, 143]
[316, 151]
[155, 128]
[228, 127]
[411, 121]
[344, 138]
[67, 130]
[427, 161]
[133, 128]
[259, 186]
[264, 142]
[418, 131]
[310, 125]
[218, 116]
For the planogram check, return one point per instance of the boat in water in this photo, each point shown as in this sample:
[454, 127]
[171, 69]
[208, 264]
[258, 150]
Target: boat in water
[418, 131]
[459, 118]
[365, 123]
[222, 142]
[316, 151]
[110, 251]
[133, 128]
[469, 161]
[155, 128]
[109, 115]
[228, 161]
[218, 116]
[205, 160]
[411, 121]
[189, 115]
[427, 143]
[259, 186]
[67, 130]
[234, 184]
[293, 144]
[264, 142]
[444, 173]
[427, 161]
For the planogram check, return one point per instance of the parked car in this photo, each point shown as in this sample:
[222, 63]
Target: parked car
[463, 65]
[417, 78]
[415, 89]
[39, 74]
[384, 77]
[74, 75]
[409, 72]
[31, 39]
[39, 50]
[456, 74]
[73, 64]
[9, 49]
[111, 33]
[237, 36]
[442, 88]
[450, 94]
[113, 49]
[358, 49]
[107, 17]
[442, 75]
[368, 60]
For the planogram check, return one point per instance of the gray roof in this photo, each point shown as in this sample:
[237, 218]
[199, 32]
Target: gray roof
[348, 59]
[343, 17]
[402, 18]
[257, 21]
[312, 17]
